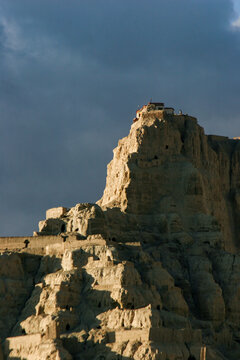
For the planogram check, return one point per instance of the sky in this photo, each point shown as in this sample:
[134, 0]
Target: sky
[73, 73]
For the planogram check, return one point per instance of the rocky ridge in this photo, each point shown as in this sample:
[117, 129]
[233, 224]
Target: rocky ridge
[153, 271]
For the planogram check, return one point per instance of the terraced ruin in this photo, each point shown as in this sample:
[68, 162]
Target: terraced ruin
[151, 271]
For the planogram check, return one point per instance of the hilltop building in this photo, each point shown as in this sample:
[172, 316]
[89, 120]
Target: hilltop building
[153, 107]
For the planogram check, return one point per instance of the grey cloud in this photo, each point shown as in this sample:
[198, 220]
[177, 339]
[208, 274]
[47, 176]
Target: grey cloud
[78, 70]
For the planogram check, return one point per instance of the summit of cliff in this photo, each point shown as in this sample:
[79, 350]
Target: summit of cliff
[167, 165]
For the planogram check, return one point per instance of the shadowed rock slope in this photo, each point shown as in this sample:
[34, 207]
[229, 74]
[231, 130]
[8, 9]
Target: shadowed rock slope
[154, 270]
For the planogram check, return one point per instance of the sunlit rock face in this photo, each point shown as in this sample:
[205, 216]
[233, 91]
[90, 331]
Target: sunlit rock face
[167, 166]
[151, 271]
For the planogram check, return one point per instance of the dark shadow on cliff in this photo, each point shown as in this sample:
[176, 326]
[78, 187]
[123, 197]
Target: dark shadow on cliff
[46, 265]
[33, 271]
[18, 274]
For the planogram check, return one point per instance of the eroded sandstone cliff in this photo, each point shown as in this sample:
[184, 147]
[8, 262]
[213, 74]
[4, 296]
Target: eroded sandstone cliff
[152, 271]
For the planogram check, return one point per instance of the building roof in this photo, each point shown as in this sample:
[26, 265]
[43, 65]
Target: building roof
[156, 103]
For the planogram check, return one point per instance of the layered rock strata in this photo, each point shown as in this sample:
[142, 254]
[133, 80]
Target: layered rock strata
[152, 271]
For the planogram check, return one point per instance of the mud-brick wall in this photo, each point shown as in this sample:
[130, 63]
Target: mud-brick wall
[39, 243]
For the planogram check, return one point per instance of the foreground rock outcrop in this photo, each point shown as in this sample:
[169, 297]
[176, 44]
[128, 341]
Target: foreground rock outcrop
[152, 271]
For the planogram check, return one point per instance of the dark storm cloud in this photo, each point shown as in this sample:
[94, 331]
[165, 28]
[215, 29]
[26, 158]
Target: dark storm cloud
[72, 74]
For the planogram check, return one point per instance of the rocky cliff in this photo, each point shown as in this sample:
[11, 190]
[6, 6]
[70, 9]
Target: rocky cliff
[152, 271]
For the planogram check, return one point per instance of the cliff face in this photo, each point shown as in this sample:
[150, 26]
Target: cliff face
[151, 271]
[167, 165]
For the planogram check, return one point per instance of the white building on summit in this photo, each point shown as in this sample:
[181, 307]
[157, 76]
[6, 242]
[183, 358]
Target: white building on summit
[153, 106]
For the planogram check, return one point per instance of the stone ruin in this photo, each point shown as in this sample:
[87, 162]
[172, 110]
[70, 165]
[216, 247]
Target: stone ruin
[149, 272]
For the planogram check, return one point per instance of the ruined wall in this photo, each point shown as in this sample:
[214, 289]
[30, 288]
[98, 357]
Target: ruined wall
[46, 244]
